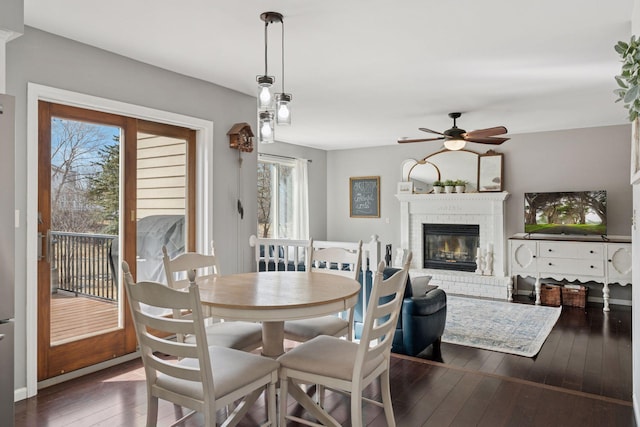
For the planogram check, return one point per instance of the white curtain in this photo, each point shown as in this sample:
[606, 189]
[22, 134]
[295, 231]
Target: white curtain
[301, 188]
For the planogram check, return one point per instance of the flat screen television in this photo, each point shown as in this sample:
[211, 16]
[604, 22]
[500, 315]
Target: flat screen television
[567, 212]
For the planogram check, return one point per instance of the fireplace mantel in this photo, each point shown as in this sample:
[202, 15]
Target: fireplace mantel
[488, 196]
[486, 209]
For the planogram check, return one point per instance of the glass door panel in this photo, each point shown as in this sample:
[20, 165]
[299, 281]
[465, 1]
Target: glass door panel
[85, 176]
[162, 196]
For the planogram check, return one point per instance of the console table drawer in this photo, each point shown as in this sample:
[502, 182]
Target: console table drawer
[581, 267]
[571, 250]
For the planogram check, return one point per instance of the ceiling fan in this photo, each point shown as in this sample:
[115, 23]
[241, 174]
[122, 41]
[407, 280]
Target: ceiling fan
[456, 138]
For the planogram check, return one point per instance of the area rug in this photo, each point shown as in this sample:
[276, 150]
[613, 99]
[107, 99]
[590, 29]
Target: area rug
[497, 325]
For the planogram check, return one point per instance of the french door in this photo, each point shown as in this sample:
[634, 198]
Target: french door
[110, 188]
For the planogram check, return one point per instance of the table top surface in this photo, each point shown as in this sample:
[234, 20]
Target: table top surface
[269, 290]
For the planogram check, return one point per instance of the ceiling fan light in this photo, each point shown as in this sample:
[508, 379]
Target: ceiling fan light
[454, 144]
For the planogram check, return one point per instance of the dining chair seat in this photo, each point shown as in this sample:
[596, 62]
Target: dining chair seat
[304, 329]
[233, 370]
[328, 356]
[238, 335]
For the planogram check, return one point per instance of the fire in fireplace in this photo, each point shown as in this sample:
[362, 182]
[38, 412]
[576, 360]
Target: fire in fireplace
[450, 246]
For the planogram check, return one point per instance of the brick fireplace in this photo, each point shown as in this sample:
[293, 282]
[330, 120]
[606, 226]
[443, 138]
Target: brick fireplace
[484, 210]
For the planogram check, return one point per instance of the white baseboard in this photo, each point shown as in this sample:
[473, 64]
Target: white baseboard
[21, 393]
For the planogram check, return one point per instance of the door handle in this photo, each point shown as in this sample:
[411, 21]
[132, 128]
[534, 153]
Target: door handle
[46, 245]
[40, 236]
[1, 337]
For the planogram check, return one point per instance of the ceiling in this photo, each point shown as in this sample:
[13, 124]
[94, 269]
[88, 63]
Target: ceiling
[365, 72]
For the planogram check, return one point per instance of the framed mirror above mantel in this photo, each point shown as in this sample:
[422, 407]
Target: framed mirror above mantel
[440, 166]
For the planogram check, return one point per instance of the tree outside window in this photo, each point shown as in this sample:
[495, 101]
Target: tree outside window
[276, 198]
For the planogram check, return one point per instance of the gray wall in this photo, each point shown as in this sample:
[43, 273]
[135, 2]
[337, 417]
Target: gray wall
[50, 60]
[581, 159]
[12, 15]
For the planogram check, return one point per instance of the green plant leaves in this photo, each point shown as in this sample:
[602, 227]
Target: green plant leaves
[631, 94]
[629, 78]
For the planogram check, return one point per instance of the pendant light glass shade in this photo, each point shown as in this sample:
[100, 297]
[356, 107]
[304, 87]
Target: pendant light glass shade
[265, 127]
[283, 109]
[265, 97]
[454, 144]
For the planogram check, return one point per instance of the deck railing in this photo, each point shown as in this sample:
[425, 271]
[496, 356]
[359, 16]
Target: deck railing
[81, 263]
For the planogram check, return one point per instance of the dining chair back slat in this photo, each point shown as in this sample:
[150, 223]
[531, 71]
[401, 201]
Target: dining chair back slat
[176, 268]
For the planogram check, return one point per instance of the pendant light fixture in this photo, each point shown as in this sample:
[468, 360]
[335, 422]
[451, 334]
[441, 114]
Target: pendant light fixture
[271, 109]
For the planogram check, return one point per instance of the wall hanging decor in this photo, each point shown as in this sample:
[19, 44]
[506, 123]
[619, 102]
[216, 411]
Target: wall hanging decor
[364, 197]
[490, 171]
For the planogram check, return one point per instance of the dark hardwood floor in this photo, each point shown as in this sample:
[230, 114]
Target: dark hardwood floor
[581, 377]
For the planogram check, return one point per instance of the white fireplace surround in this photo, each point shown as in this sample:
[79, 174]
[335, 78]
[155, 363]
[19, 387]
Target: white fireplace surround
[484, 209]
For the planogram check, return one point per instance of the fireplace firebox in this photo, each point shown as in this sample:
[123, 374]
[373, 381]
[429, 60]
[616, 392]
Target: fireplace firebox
[450, 246]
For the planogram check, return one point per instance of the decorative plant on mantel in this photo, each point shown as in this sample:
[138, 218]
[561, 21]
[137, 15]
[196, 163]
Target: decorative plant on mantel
[629, 79]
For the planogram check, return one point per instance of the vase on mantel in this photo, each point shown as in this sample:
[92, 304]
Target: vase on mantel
[460, 188]
[437, 189]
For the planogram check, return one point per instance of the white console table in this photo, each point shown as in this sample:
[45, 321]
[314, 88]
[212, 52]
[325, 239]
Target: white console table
[572, 258]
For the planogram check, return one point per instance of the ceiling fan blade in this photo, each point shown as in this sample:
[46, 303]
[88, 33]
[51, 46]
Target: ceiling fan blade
[489, 140]
[430, 131]
[405, 140]
[483, 133]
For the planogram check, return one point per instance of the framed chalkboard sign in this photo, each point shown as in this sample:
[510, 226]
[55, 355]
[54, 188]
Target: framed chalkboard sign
[364, 197]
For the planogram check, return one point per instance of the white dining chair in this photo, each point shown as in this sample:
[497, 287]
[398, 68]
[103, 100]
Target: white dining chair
[344, 365]
[341, 261]
[238, 335]
[193, 374]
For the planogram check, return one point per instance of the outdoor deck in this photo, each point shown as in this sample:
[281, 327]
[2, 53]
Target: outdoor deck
[73, 317]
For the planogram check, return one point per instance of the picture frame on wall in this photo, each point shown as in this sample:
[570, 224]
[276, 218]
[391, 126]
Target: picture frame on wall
[490, 167]
[405, 187]
[364, 197]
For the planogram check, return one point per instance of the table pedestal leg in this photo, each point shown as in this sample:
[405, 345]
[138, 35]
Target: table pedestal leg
[272, 339]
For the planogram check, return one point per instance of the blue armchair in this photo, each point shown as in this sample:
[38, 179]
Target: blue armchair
[422, 319]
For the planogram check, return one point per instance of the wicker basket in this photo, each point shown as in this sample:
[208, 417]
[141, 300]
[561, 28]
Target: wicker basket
[575, 297]
[550, 295]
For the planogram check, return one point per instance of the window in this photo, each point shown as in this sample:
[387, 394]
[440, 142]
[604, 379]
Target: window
[282, 198]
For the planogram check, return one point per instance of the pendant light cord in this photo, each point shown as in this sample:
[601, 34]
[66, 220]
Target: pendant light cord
[282, 22]
[266, 24]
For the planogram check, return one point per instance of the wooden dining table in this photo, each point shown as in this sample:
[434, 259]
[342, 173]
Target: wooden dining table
[272, 297]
